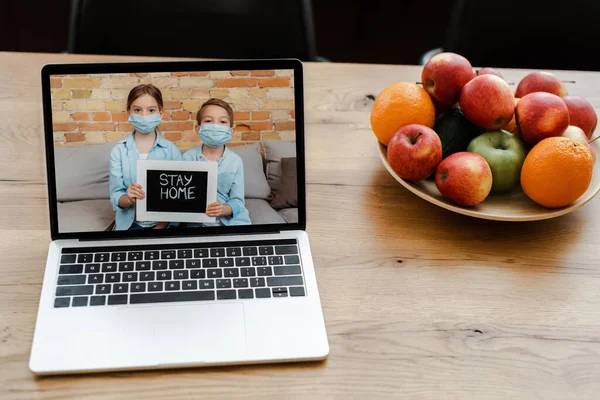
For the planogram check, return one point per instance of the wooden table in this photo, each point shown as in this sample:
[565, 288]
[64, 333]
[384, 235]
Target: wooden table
[419, 302]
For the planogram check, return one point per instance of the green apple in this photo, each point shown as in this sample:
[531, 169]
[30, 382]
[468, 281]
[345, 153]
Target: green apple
[505, 153]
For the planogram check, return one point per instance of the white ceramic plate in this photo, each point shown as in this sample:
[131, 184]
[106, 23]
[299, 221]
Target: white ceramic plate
[513, 206]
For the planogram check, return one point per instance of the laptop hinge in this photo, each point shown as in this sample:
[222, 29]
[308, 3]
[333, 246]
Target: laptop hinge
[181, 236]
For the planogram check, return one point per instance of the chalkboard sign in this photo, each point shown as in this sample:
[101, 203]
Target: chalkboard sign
[176, 191]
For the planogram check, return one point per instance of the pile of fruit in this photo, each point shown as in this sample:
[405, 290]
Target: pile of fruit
[469, 131]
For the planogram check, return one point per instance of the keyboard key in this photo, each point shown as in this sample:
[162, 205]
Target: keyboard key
[101, 257]
[257, 282]
[250, 251]
[200, 253]
[92, 268]
[223, 283]
[242, 261]
[67, 259]
[71, 269]
[109, 267]
[175, 264]
[126, 266]
[226, 295]
[297, 291]
[74, 290]
[181, 275]
[146, 276]
[71, 280]
[248, 271]
[288, 270]
[113, 278]
[198, 274]
[117, 299]
[209, 263]
[259, 261]
[97, 300]
[95, 278]
[130, 277]
[217, 252]
[155, 287]
[240, 282]
[164, 275]
[190, 285]
[206, 284]
[135, 255]
[231, 272]
[171, 297]
[102, 289]
[285, 281]
[62, 302]
[152, 255]
[245, 294]
[119, 256]
[121, 288]
[280, 292]
[192, 263]
[85, 258]
[234, 252]
[286, 249]
[275, 260]
[138, 287]
[80, 301]
[265, 250]
[226, 262]
[167, 254]
[157, 265]
[215, 273]
[264, 271]
[143, 266]
[292, 259]
[262, 293]
[184, 253]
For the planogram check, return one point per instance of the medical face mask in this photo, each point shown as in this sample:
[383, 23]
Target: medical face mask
[214, 135]
[144, 124]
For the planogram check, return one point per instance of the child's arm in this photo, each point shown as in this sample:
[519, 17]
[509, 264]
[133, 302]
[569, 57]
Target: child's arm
[236, 193]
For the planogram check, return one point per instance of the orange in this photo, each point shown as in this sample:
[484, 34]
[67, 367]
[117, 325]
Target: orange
[400, 104]
[556, 172]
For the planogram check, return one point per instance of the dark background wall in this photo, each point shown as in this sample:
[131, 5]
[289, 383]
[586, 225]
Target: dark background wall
[363, 31]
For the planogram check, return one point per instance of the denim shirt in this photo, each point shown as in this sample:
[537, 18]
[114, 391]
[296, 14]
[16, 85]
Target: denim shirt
[123, 171]
[230, 185]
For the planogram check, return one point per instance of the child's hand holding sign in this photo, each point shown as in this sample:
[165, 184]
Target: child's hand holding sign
[217, 209]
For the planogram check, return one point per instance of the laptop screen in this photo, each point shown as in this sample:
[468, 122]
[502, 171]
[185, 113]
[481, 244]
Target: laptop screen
[194, 149]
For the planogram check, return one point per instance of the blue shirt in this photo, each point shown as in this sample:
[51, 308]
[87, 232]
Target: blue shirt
[123, 171]
[230, 185]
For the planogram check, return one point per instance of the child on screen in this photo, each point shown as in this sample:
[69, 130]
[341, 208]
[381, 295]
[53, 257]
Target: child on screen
[145, 107]
[215, 128]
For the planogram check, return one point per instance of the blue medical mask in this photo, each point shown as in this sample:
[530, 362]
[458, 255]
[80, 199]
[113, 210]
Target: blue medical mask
[144, 124]
[214, 135]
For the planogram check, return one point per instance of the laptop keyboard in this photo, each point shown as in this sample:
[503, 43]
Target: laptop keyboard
[100, 276]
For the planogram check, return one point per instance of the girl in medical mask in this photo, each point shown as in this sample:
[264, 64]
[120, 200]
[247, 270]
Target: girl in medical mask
[145, 108]
[215, 127]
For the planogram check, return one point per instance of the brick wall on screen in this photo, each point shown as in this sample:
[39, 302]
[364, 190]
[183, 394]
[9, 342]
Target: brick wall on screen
[90, 109]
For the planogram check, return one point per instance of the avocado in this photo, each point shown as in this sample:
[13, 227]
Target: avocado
[455, 131]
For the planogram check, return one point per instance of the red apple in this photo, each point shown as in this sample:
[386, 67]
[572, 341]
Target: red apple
[491, 71]
[577, 134]
[541, 82]
[581, 114]
[414, 152]
[487, 102]
[541, 115]
[464, 178]
[444, 76]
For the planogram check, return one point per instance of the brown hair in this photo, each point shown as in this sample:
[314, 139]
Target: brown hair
[215, 102]
[143, 89]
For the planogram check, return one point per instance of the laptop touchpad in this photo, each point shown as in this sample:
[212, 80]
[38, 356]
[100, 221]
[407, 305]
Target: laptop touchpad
[186, 333]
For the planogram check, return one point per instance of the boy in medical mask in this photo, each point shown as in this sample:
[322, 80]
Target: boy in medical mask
[215, 128]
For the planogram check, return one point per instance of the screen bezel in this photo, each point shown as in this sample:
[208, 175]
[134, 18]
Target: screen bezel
[174, 66]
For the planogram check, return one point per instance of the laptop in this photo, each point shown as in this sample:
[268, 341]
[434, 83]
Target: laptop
[235, 287]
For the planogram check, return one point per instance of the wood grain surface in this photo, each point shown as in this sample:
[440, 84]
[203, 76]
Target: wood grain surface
[419, 302]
